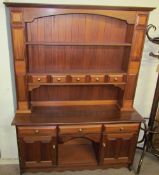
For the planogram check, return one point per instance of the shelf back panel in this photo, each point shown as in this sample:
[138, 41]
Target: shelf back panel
[76, 28]
[43, 59]
[74, 93]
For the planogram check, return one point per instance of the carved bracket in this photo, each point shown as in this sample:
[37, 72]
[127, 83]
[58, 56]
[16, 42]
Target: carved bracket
[31, 87]
[121, 86]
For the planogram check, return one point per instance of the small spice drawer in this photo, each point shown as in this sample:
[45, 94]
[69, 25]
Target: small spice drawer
[58, 79]
[97, 78]
[78, 78]
[38, 79]
[36, 131]
[116, 78]
[117, 128]
[79, 129]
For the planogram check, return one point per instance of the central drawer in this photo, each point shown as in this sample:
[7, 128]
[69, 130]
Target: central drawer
[79, 129]
[36, 131]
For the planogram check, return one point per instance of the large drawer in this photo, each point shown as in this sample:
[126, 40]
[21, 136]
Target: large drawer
[79, 129]
[117, 128]
[36, 131]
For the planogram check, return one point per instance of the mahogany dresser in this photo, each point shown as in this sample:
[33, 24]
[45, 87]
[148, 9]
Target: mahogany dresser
[76, 69]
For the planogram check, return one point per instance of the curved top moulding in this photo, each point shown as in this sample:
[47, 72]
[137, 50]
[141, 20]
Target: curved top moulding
[29, 14]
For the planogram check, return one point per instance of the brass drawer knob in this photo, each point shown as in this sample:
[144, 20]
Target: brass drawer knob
[54, 146]
[78, 79]
[115, 79]
[121, 128]
[39, 79]
[36, 131]
[80, 130]
[97, 79]
[104, 145]
[58, 79]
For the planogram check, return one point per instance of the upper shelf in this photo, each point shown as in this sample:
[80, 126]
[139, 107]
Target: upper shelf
[78, 44]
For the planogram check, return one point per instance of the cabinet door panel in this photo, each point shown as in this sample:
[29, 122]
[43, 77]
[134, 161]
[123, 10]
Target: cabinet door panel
[37, 151]
[119, 148]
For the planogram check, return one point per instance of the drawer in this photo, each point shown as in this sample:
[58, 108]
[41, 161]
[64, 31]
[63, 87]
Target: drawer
[39, 78]
[97, 78]
[115, 78]
[36, 131]
[117, 128]
[78, 78]
[58, 79]
[79, 129]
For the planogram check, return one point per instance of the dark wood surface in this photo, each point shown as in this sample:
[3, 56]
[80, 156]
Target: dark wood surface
[10, 4]
[76, 115]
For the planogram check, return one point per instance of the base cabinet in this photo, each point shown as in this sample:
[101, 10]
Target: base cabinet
[37, 147]
[119, 142]
[76, 146]
[119, 148]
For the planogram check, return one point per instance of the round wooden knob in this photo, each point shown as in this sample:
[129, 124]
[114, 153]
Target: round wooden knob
[78, 79]
[115, 78]
[58, 79]
[80, 130]
[121, 129]
[97, 79]
[36, 131]
[39, 79]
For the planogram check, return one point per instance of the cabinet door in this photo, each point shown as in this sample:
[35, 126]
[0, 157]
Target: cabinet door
[37, 151]
[118, 148]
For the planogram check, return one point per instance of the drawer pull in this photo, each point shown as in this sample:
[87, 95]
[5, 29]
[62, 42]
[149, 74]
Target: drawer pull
[104, 145]
[36, 131]
[115, 79]
[58, 79]
[54, 146]
[78, 79]
[121, 129]
[97, 79]
[80, 130]
[39, 79]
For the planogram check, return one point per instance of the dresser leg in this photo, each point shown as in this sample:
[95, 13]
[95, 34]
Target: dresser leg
[130, 167]
[21, 171]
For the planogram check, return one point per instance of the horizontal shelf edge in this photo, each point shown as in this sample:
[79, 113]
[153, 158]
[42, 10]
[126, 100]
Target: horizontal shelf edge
[48, 84]
[74, 103]
[77, 44]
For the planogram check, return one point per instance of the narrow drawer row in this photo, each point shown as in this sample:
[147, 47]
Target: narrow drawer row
[80, 78]
[76, 129]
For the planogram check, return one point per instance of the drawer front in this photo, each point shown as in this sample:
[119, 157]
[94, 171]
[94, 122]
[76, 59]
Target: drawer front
[37, 131]
[120, 128]
[58, 79]
[39, 79]
[78, 78]
[115, 78]
[97, 78]
[79, 129]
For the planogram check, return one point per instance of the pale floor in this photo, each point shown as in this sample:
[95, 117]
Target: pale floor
[150, 167]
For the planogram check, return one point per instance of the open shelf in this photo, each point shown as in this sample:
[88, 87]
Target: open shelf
[78, 44]
[69, 154]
